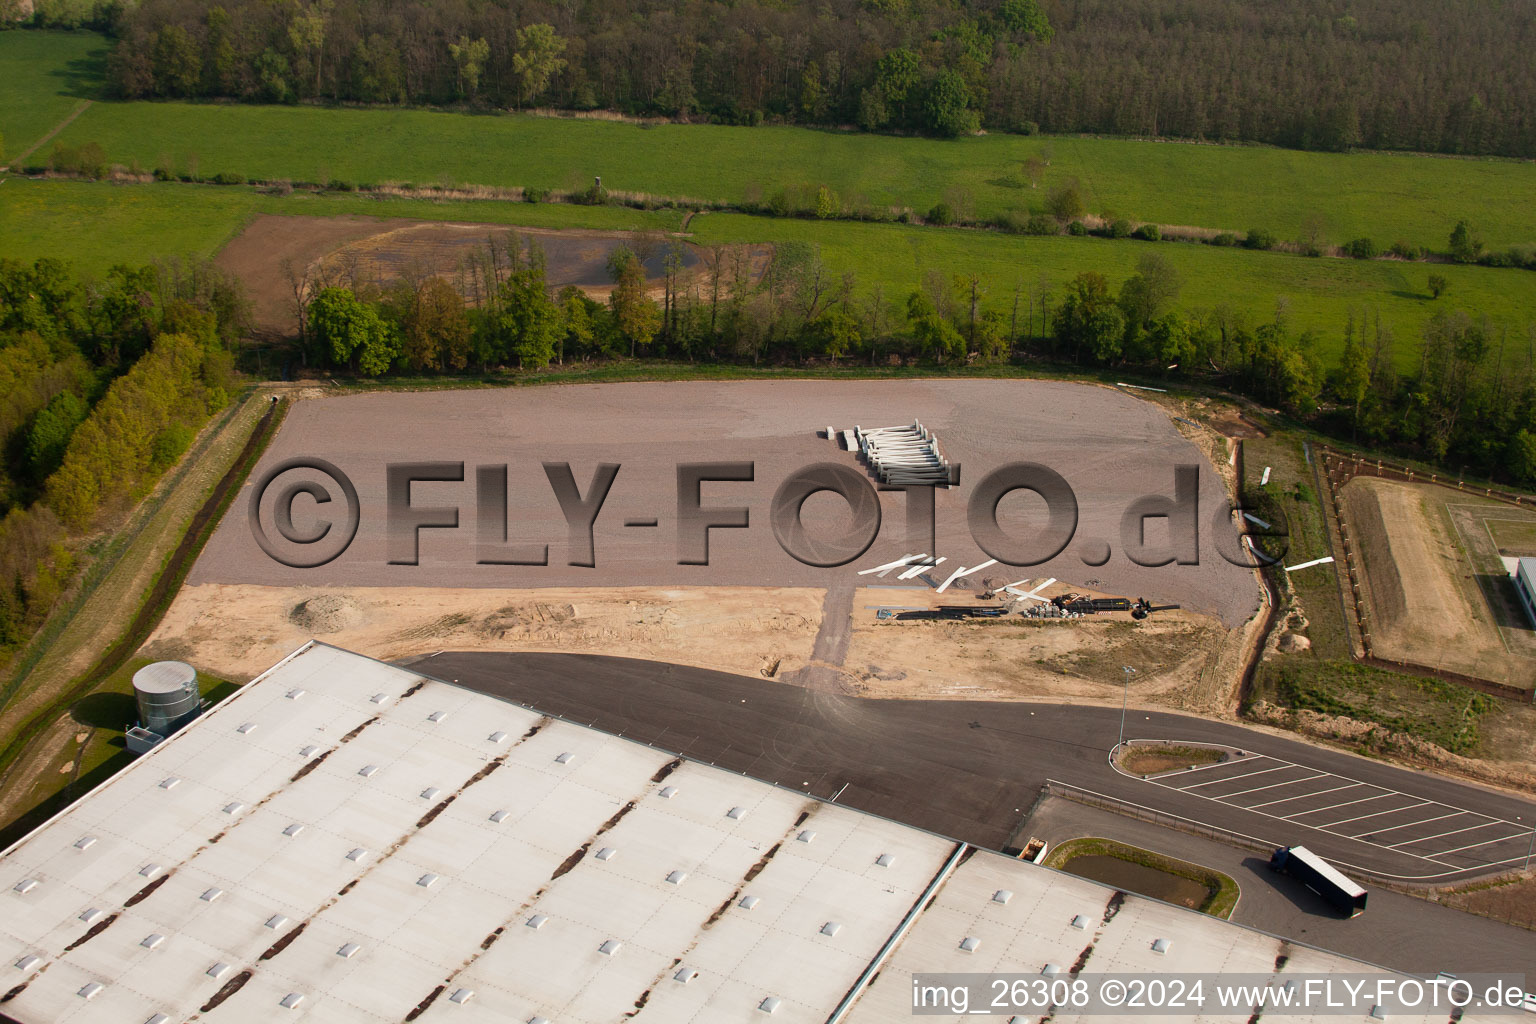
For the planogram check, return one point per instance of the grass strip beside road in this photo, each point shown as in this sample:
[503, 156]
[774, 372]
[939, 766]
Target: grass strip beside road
[154, 563]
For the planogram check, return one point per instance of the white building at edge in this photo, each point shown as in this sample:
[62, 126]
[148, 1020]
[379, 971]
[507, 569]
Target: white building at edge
[347, 841]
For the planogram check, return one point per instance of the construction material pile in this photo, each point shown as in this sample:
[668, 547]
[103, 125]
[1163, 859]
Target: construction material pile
[905, 455]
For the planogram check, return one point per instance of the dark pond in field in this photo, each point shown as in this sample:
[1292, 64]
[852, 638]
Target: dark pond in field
[1138, 878]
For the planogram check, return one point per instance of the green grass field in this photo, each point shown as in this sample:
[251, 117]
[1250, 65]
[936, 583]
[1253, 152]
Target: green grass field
[1320, 293]
[43, 77]
[133, 223]
[1387, 197]
[42, 218]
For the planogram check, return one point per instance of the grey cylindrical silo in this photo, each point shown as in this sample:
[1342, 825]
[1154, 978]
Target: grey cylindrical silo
[167, 695]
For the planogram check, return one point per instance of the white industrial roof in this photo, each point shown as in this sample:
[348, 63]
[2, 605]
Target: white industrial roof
[487, 901]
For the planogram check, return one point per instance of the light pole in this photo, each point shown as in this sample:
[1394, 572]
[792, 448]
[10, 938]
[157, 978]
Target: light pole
[1124, 700]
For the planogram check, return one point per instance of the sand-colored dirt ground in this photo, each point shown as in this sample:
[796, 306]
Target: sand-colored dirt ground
[239, 631]
[1422, 599]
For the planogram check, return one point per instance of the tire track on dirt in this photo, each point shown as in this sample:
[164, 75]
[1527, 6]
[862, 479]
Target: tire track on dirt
[40, 143]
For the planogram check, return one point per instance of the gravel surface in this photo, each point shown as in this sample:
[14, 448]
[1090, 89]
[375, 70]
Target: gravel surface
[1110, 447]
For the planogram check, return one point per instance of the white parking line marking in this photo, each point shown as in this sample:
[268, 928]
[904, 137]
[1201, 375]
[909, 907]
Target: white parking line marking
[1303, 796]
[1346, 803]
[1273, 785]
[1453, 832]
[1332, 827]
[1233, 778]
[1423, 821]
[1377, 814]
[1488, 842]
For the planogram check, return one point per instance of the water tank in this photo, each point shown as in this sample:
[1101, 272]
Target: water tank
[167, 695]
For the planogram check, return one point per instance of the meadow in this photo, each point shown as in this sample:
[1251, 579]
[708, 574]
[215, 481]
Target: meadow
[1318, 294]
[129, 223]
[1339, 197]
[43, 78]
[134, 223]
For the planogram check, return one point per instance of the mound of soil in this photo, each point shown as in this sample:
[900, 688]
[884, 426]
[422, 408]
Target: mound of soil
[326, 613]
[1293, 642]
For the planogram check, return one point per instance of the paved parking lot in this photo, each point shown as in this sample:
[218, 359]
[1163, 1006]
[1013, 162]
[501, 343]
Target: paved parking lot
[1387, 819]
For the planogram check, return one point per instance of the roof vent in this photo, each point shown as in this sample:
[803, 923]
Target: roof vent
[427, 880]
[462, 995]
[537, 921]
[25, 886]
[1079, 921]
[294, 694]
[536, 1019]
[368, 771]
[565, 758]
[969, 943]
[291, 1001]
[218, 970]
[1378, 1012]
[667, 792]
[1050, 969]
[500, 816]
[610, 947]
[85, 842]
[247, 728]
[770, 1004]
[309, 751]
[831, 928]
[685, 975]
[209, 895]
[379, 698]
[90, 990]
[736, 813]
[276, 921]
[498, 737]
[431, 793]
[1002, 896]
[90, 916]
[677, 877]
[348, 951]
[28, 962]
[358, 855]
[293, 830]
[885, 860]
[748, 902]
[234, 808]
[608, 853]
[807, 836]
[149, 870]
[170, 783]
[158, 1018]
[437, 716]
[1160, 945]
[151, 941]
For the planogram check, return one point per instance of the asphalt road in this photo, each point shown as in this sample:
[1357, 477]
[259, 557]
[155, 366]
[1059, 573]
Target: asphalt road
[966, 769]
[1396, 930]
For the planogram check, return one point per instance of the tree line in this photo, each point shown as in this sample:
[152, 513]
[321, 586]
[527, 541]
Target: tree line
[1470, 404]
[103, 385]
[1387, 74]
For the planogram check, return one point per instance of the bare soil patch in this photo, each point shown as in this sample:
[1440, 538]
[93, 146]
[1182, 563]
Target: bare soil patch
[1182, 658]
[1422, 596]
[239, 631]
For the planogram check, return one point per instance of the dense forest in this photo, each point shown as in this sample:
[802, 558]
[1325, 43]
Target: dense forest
[1452, 77]
[1470, 403]
[103, 385]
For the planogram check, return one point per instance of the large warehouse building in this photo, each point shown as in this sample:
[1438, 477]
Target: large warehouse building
[347, 841]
